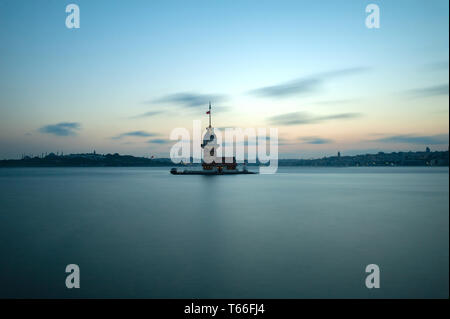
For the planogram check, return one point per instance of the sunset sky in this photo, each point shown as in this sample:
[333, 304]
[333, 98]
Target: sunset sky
[135, 70]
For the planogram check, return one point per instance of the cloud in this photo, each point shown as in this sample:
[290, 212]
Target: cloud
[304, 85]
[135, 134]
[223, 128]
[429, 91]
[414, 139]
[61, 129]
[285, 142]
[190, 99]
[290, 88]
[315, 140]
[299, 118]
[147, 114]
[335, 102]
[158, 141]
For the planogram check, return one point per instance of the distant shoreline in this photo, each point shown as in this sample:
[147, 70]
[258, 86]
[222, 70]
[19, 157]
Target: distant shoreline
[427, 158]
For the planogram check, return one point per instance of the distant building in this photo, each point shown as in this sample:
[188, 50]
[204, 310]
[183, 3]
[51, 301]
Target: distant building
[427, 150]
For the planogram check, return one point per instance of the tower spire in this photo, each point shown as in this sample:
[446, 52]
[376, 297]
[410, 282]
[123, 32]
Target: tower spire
[209, 114]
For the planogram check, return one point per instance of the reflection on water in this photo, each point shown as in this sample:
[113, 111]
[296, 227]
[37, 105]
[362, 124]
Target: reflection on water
[301, 233]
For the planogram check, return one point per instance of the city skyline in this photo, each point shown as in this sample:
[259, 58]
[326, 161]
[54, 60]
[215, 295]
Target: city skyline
[134, 71]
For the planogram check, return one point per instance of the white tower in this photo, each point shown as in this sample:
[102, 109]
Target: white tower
[209, 144]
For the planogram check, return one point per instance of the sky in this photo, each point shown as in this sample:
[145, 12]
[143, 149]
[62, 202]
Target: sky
[135, 70]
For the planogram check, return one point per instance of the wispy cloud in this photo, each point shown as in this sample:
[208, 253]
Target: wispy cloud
[135, 134]
[61, 129]
[223, 128]
[190, 99]
[414, 139]
[296, 87]
[285, 142]
[304, 85]
[158, 141]
[299, 118]
[315, 140]
[147, 114]
[429, 91]
[335, 102]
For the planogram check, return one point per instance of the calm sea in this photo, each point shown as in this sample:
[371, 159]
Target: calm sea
[301, 233]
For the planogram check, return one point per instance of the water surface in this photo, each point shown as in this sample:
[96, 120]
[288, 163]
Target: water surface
[301, 233]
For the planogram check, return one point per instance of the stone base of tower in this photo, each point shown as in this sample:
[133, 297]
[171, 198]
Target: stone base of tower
[221, 163]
